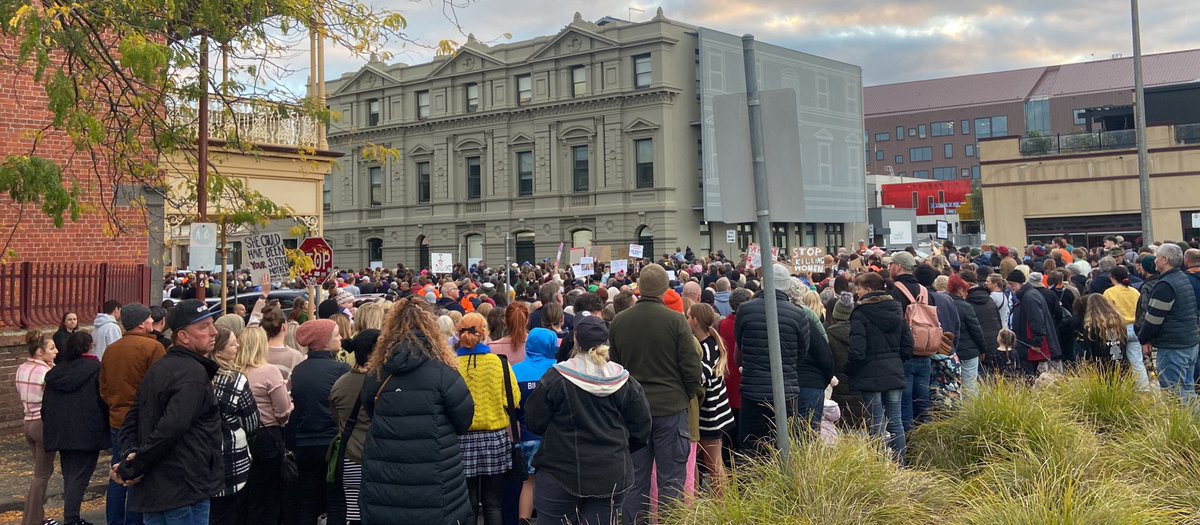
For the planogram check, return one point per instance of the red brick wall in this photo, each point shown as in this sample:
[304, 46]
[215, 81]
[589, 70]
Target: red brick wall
[34, 238]
[11, 357]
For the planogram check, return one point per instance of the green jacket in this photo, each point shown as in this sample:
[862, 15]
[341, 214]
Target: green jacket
[655, 344]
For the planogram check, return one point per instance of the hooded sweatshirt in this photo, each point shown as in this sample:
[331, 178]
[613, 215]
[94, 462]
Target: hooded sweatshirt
[540, 349]
[590, 418]
[721, 302]
[105, 331]
[73, 415]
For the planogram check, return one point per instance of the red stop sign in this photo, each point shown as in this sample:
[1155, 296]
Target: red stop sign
[322, 256]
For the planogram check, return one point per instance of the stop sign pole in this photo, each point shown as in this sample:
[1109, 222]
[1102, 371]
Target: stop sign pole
[322, 256]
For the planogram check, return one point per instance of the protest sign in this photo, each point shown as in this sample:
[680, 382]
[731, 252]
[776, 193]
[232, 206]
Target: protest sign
[808, 259]
[588, 265]
[577, 270]
[443, 263]
[754, 257]
[635, 251]
[616, 267]
[575, 255]
[265, 254]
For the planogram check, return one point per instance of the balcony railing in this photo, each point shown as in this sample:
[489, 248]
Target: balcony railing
[1078, 142]
[257, 122]
[1187, 134]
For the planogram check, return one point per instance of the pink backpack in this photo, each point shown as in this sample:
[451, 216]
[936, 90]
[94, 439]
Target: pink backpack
[922, 319]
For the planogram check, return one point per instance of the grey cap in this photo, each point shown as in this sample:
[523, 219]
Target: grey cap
[134, 314]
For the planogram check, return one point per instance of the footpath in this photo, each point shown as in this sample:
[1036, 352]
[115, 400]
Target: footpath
[16, 473]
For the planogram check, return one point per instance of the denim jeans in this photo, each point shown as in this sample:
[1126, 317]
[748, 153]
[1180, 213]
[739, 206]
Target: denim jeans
[916, 390]
[1137, 365]
[114, 505]
[556, 506]
[811, 405]
[1175, 369]
[969, 369]
[884, 408]
[196, 514]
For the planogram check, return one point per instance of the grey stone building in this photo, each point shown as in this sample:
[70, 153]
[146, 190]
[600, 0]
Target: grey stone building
[589, 136]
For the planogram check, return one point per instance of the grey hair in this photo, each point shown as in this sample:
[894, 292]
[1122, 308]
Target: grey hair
[797, 291]
[1172, 253]
[1107, 263]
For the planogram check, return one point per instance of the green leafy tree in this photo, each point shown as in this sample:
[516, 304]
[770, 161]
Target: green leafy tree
[122, 84]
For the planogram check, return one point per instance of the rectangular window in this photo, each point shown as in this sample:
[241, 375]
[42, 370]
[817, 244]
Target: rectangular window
[920, 154]
[375, 173]
[644, 161]
[579, 168]
[921, 174]
[991, 127]
[524, 89]
[948, 151]
[641, 71]
[941, 196]
[474, 178]
[966, 127]
[578, 81]
[883, 137]
[525, 173]
[327, 193]
[422, 104]
[944, 173]
[899, 132]
[879, 155]
[969, 150]
[422, 182]
[912, 132]
[472, 98]
[825, 163]
[1037, 116]
[965, 173]
[999, 126]
[921, 131]
[974, 172]
[942, 129]
[1080, 120]
[373, 112]
[929, 203]
[915, 200]
[899, 159]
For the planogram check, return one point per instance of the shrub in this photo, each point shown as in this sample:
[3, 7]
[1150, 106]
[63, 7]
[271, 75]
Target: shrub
[1107, 401]
[1164, 455]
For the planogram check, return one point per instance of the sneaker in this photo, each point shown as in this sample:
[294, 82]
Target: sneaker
[50, 522]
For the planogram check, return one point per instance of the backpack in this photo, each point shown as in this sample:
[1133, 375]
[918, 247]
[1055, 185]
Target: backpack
[922, 319]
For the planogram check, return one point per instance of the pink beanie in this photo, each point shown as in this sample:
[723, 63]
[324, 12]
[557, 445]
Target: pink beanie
[315, 335]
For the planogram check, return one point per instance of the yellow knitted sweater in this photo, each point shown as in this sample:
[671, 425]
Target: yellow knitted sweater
[485, 379]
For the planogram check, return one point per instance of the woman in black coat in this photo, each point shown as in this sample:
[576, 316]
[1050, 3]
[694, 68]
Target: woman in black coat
[971, 342]
[75, 419]
[988, 314]
[419, 405]
[880, 342]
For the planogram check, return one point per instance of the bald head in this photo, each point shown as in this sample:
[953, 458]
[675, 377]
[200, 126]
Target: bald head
[691, 290]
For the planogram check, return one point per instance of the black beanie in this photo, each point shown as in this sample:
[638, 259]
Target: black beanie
[925, 274]
[1017, 276]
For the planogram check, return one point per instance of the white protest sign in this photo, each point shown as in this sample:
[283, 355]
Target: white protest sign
[901, 232]
[616, 267]
[943, 230]
[808, 259]
[442, 263]
[577, 269]
[730, 236]
[588, 265]
[671, 275]
[202, 250]
[754, 257]
[635, 251]
[265, 254]
[1196, 220]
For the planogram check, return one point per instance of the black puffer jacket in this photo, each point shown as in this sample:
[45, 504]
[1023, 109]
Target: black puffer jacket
[312, 421]
[750, 332]
[815, 370]
[412, 466]
[880, 342]
[73, 414]
[970, 342]
[989, 318]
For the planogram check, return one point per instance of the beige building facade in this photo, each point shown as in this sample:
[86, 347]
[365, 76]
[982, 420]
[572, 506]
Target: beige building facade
[588, 136]
[1036, 189]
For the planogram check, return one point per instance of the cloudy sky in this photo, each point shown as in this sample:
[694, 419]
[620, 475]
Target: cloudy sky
[893, 40]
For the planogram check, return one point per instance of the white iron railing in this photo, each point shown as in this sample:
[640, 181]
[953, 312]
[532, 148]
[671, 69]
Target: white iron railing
[253, 121]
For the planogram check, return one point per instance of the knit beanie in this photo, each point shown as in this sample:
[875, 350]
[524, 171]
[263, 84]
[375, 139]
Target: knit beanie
[1147, 265]
[1035, 279]
[843, 307]
[673, 300]
[652, 281]
[782, 277]
[1016, 276]
[316, 334]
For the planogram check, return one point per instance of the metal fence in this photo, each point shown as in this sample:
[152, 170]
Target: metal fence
[38, 294]
[1078, 142]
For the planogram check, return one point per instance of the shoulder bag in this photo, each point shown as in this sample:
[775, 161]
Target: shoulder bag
[516, 473]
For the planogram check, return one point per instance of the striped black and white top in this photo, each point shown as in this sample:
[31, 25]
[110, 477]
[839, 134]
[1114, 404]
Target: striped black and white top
[239, 418]
[716, 417]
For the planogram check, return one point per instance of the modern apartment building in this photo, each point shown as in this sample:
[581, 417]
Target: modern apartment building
[589, 136]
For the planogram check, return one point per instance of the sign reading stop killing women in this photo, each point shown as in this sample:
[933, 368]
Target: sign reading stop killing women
[265, 253]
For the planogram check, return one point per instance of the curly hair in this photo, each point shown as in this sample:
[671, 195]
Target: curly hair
[1101, 321]
[411, 320]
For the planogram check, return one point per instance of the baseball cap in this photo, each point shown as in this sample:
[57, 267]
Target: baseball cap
[590, 332]
[188, 313]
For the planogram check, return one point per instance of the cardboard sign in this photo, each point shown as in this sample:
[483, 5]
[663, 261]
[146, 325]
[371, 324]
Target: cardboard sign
[588, 265]
[808, 259]
[575, 255]
[442, 263]
[265, 254]
[635, 250]
[616, 267]
[600, 253]
[754, 257]
[856, 264]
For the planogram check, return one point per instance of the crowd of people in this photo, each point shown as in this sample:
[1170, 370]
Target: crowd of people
[528, 394]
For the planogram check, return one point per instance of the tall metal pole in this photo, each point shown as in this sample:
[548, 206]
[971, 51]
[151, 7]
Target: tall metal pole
[1139, 111]
[202, 146]
[761, 200]
[507, 284]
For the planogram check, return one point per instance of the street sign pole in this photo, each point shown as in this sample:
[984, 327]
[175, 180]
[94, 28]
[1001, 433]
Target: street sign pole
[761, 201]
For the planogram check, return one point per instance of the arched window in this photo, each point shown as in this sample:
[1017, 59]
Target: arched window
[645, 237]
[474, 243]
[581, 238]
[422, 253]
[526, 251]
